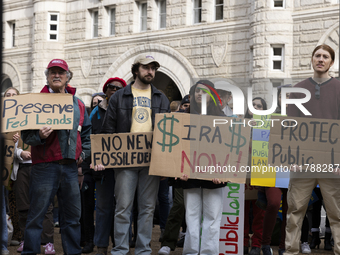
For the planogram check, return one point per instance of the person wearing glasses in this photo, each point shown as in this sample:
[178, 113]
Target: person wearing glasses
[133, 109]
[324, 104]
[97, 115]
[55, 155]
[104, 180]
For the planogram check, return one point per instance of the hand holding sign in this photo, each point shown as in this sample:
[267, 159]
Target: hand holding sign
[26, 155]
[98, 167]
[16, 137]
[45, 131]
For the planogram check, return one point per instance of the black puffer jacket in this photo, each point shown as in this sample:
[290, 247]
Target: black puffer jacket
[119, 112]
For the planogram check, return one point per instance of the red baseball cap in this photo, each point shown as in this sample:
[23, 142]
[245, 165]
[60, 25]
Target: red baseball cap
[58, 62]
[111, 80]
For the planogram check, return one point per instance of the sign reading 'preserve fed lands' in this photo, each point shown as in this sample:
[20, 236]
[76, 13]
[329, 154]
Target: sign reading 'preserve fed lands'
[33, 111]
[313, 144]
[191, 144]
[121, 150]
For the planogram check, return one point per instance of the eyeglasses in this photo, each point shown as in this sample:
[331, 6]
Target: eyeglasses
[317, 91]
[112, 86]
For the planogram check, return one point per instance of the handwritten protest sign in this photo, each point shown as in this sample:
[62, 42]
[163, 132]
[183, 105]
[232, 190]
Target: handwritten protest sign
[310, 143]
[232, 223]
[33, 111]
[8, 157]
[259, 153]
[24, 146]
[121, 150]
[193, 145]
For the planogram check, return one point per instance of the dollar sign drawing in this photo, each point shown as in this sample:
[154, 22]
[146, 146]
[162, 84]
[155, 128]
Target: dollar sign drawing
[239, 137]
[165, 133]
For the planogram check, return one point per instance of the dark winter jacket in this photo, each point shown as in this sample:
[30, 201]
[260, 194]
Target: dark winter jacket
[119, 112]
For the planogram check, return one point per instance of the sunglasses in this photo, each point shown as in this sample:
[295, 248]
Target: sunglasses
[112, 86]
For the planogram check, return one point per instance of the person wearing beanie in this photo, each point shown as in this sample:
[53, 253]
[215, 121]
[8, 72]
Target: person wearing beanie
[105, 181]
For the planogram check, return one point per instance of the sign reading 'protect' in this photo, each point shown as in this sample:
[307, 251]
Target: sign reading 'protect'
[33, 111]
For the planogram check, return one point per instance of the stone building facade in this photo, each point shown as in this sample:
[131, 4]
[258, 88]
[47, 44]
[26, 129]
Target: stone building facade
[258, 43]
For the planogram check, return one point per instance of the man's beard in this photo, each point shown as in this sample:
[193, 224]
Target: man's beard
[144, 80]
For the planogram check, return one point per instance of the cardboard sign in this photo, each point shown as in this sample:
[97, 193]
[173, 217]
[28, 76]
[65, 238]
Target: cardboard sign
[312, 144]
[8, 157]
[121, 150]
[190, 144]
[259, 153]
[232, 223]
[24, 146]
[33, 111]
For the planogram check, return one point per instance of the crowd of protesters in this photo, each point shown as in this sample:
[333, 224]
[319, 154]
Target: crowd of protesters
[59, 164]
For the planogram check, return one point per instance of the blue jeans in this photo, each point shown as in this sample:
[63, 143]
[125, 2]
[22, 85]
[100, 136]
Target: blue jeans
[47, 180]
[128, 180]
[163, 199]
[104, 208]
[4, 235]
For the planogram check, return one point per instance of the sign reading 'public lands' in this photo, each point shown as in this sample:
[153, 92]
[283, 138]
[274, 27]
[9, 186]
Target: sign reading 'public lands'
[121, 150]
[312, 143]
[190, 144]
[33, 111]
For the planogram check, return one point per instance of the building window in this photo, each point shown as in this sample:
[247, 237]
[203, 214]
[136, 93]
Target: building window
[197, 11]
[279, 3]
[53, 26]
[94, 16]
[112, 21]
[143, 16]
[162, 13]
[13, 34]
[277, 57]
[218, 9]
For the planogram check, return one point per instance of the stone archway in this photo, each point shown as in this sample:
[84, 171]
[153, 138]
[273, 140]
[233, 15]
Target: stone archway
[173, 64]
[9, 69]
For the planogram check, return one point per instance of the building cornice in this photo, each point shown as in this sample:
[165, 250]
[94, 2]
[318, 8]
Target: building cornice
[316, 13]
[160, 35]
[14, 5]
[14, 52]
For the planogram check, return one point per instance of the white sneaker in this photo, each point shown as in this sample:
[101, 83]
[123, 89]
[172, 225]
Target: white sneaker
[305, 248]
[165, 250]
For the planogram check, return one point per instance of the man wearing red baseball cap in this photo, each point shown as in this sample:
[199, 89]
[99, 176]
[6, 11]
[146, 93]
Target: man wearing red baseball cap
[55, 155]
